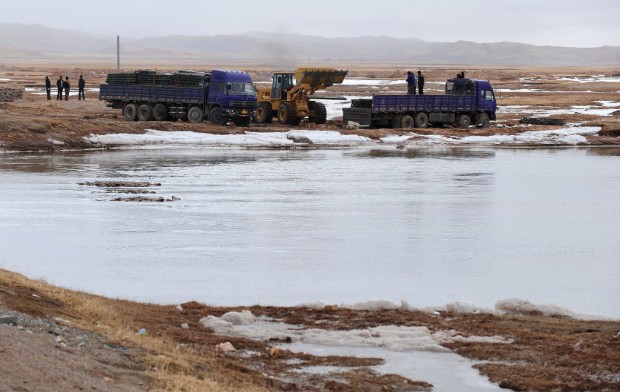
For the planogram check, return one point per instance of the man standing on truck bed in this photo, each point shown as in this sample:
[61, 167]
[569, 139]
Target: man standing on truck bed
[420, 83]
[411, 85]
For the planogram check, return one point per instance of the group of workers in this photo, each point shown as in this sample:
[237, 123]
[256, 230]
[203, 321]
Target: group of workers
[411, 83]
[64, 85]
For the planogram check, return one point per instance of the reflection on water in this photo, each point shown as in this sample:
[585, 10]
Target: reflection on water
[428, 226]
[442, 153]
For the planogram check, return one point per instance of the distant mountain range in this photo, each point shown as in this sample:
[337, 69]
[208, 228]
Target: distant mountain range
[21, 44]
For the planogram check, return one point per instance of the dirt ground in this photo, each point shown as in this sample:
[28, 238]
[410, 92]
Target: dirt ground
[35, 124]
[53, 339]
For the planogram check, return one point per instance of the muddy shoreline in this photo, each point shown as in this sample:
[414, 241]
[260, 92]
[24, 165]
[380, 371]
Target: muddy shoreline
[100, 339]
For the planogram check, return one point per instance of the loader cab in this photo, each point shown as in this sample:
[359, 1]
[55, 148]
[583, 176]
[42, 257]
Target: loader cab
[282, 82]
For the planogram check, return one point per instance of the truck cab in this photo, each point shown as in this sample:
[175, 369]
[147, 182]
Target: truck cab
[481, 89]
[231, 96]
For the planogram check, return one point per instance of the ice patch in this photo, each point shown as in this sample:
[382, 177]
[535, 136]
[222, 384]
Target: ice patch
[413, 352]
[395, 139]
[334, 106]
[264, 139]
[609, 104]
[517, 305]
[592, 78]
[239, 318]
[564, 136]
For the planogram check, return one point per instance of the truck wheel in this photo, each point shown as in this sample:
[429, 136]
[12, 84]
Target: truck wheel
[463, 121]
[482, 120]
[217, 116]
[406, 122]
[242, 122]
[264, 113]
[287, 114]
[145, 112]
[160, 113]
[131, 112]
[320, 113]
[195, 114]
[395, 123]
[421, 120]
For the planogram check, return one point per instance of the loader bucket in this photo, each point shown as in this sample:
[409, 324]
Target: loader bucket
[319, 78]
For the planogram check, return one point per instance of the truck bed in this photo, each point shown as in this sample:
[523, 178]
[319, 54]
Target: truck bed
[172, 94]
[423, 103]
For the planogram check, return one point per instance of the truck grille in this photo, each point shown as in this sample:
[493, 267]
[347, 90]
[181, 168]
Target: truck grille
[243, 104]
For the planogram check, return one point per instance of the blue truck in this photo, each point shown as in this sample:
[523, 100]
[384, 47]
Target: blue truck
[219, 96]
[465, 102]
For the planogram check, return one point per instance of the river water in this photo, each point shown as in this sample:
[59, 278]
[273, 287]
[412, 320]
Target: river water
[428, 226]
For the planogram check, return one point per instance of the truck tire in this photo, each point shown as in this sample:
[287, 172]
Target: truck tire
[195, 114]
[160, 113]
[217, 116]
[463, 121]
[242, 122]
[131, 112]
[320, 113]
[145, 112]
[264, 113]
[406, 122]
[421, 120]
[395, 122]
[482, 120]
[287, 114]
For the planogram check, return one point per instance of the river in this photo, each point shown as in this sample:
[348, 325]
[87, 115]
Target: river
[428, 226]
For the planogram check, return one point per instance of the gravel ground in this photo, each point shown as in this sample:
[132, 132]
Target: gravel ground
[46, 354]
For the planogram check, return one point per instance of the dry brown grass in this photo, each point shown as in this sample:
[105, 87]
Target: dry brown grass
[168, 366]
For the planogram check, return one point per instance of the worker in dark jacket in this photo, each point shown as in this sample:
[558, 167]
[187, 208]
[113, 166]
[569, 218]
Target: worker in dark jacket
[411, 85]
[48, 88]
[420, 83]
[59, 88]
[66, 86]
[81, 85]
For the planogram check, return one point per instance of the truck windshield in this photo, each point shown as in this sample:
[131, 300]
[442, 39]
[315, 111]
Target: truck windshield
[240, 88]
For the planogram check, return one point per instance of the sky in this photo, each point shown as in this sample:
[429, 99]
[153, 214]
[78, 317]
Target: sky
[575, 23]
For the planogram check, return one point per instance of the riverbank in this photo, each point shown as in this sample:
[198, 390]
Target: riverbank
[75, 339]
[569, 94]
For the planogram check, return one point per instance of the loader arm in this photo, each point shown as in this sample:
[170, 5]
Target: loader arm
[311, 79]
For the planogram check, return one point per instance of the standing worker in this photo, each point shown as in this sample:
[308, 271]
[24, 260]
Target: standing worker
[411, 85]
[48, 88]
[66, 86]
[420, 83]
[59, 88]
[81, 84]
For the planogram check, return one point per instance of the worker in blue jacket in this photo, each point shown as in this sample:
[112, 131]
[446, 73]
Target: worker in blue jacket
[411, 84]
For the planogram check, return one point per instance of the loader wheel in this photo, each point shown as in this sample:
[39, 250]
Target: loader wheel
[145, 112]
[320, 113]
[482, 120]
[131, 112]
[217, 117]
[287, 114]
[421, 120]
[406, 122]
[195, 114]
[160, 113]
[463, 121]
[264, 113]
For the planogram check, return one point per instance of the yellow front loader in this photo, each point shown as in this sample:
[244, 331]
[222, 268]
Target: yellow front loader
[288, 98]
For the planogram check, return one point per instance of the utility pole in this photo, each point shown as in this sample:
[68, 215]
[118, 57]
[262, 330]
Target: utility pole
[118, 54]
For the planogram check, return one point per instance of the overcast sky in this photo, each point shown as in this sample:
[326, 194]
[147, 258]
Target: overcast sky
[585, 23]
